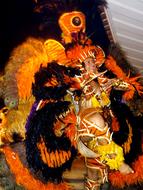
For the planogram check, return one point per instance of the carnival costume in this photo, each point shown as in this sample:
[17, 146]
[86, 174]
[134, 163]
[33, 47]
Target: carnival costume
[62, 81]
[83, 51]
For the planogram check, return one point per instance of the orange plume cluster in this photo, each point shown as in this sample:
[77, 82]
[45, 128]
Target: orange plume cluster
[120, 180]
[80, 53]
[133, 84]
[23, 176]
[112, 66]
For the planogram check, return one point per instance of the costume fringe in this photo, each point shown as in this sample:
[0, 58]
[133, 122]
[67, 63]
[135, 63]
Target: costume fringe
[120, 180]
[53, 159]
[23, 176]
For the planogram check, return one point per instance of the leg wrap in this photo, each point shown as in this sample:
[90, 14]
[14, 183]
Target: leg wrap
[91, 184]
[97, 174]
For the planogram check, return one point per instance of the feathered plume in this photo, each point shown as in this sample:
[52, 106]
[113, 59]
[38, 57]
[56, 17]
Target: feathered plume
[67, 5]
[119, 55]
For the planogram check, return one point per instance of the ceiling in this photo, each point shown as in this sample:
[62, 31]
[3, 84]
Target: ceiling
[126, 23]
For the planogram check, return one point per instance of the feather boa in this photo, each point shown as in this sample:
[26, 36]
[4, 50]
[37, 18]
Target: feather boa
[24, 177]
